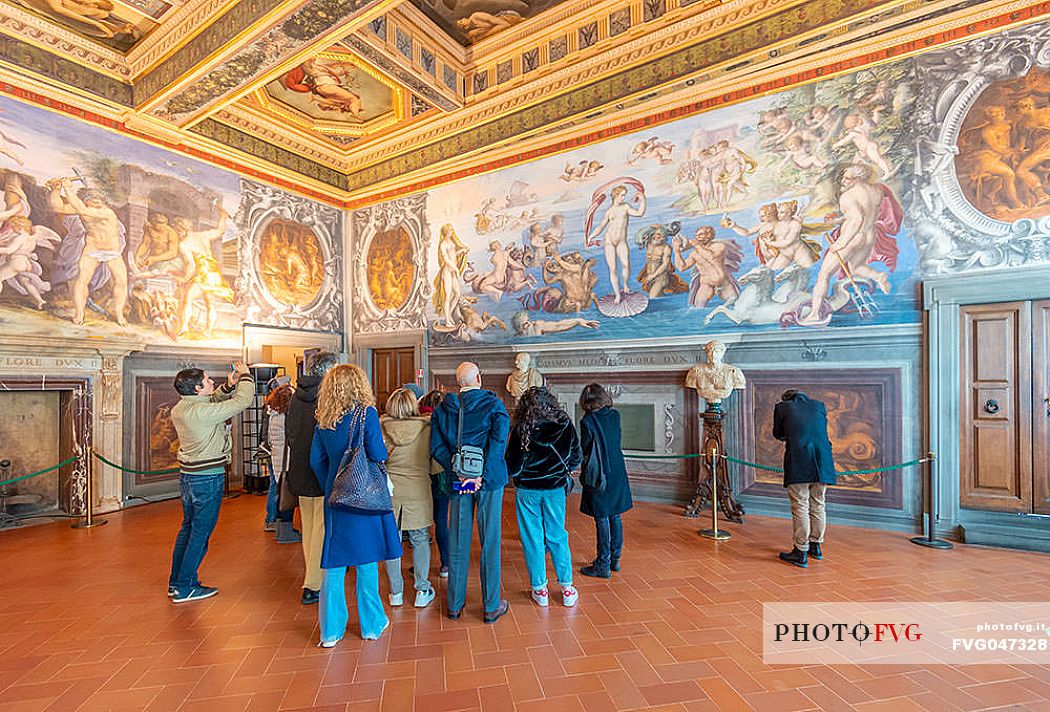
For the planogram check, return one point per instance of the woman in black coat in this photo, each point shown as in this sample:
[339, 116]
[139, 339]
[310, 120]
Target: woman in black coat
[606, 491]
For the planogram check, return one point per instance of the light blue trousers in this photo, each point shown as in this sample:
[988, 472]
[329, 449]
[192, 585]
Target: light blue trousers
[541, 526]
[332, 611]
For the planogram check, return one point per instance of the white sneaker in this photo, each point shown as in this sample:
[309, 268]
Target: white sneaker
[396, 599]
[569, 596]
[423, 598]
[541, 597]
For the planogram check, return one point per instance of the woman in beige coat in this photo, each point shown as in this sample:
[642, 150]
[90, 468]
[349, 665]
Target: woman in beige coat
[407, 437]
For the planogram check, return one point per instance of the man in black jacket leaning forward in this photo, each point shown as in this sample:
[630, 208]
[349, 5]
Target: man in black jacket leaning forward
[802, 423]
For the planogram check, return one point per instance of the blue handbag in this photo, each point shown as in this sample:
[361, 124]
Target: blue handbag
[360, 483]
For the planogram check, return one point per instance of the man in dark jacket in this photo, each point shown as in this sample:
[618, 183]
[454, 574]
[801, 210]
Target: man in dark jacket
[802, 423]
[485, 425]
[299, 426]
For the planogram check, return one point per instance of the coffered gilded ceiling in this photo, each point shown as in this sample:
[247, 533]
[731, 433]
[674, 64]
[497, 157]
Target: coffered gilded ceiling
[360, 99]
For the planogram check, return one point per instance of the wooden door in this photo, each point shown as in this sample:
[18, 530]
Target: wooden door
[1041, 407]
[996, 407]
[390, 369]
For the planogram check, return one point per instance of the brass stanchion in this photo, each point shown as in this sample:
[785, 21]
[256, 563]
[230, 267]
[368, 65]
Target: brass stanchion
[713, 532]
[930, 541]
[89, 497]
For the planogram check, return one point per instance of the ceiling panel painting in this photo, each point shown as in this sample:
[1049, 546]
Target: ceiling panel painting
[115, 24]
[332, 94]
[470, 21]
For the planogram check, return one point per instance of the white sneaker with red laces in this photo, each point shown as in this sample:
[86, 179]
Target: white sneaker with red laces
[569, 596]
[541, 597]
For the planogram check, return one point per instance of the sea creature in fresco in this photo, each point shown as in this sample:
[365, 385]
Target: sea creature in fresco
[524, 325]
[468, 322]
[581, 171]
[201, 281]
[870, 218]
[519, 195]
[97, 239]
[452, 262]
[478, 25]
[713, 263]
[517, 276]
[615, 223]
[761, 300]
[658, 276]
[651, 148]
[569, 285]
[329, 84]
[488, 218]
[496, 282]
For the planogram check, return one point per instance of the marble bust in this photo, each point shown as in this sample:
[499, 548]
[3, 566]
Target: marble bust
[524, 376]
[715, 380]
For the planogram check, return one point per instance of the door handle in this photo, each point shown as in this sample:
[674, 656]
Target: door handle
[991, 406]
[1046, 401]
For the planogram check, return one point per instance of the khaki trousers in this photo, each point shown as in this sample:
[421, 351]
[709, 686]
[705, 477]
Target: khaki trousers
[807, 513]
[312, 511]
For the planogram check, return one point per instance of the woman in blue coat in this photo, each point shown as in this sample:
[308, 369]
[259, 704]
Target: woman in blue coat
[351, 537]
[606, 490]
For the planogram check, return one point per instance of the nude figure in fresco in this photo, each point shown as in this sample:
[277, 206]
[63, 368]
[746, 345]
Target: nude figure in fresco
[615, 223]
[992, 161]
[767, 220]
[524, 325]
[1034, 132]
[201, 280]
[576, 278]
[870, 218]
[788, 242]
[858, 132]
[713, 263]
[452, 262]
[159, 250]
[494, 282]
[19, 242]
[103, 244]
[658, 276]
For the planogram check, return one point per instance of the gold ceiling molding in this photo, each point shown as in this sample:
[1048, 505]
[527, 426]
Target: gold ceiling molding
[599, 62]
[250, 119]
[411, 17]
[51, 37]
[184, 24]
[780, 68]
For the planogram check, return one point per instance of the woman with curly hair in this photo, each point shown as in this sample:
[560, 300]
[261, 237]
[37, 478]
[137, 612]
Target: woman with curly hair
[355, 538]
[542, 452]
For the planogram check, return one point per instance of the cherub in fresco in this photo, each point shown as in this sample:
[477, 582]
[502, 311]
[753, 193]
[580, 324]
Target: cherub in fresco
[524, 325]
[858, 132]
[879, 100]
[159, 250]
[615, 220]
[819, 121]
[989, 165]
[870, 218]
[800, 154]
[328, 82]
[201, 279]
[452, 262]
[787, 241]
[713, 263]
[479, 25]
[651, 148]
[581, 171]
[19, 242]
[767, 125]
[658, 276]
[767, 219]
[104, 242]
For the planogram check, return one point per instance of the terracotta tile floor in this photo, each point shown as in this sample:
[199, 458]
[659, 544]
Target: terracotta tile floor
[85, 625]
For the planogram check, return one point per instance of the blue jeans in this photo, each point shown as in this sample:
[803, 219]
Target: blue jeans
[271, 500]
[541, 526]
[332, 612]
[441, 524]
[489, 506]
[609, 531]
[201, 498]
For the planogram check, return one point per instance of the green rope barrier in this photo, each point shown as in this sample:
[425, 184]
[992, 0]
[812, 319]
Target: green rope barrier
[41, 472]
[662, 457]
[169, 471]
[871, 471]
